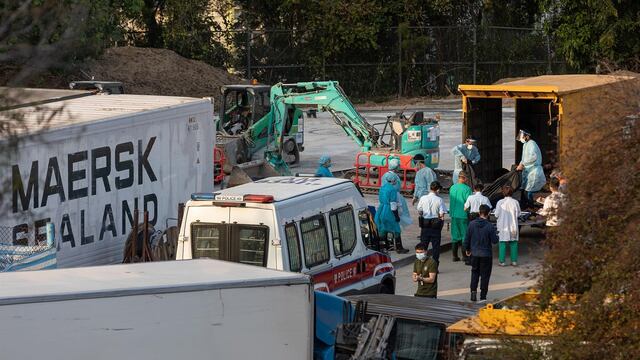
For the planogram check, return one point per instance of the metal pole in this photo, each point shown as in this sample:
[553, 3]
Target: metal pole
[399, 62]
[475, 54]
[135, 235]
[180, 214]
[50, 234]
[249, 54]
[146, 256]
[549, 70]
[324, 71]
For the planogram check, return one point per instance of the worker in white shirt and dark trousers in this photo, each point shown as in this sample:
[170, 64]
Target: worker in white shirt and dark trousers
[431, 209]
[472, 205]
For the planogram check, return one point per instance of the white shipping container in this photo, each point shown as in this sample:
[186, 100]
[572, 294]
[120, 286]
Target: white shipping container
[94, 159]
[199, 309]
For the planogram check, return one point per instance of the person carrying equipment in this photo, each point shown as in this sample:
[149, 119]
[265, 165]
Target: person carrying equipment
[465, 153]
[531, 166]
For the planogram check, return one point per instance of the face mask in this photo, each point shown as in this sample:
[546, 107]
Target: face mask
[521, 137]
[469, 146]
[421, 256]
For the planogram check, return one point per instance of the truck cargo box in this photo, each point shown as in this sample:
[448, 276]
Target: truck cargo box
[199, 309]
[84, 161]
[551, 107]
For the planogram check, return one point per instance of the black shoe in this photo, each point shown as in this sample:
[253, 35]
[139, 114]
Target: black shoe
[401, 250]
[467, 262]
[474, 296]
[456, 259]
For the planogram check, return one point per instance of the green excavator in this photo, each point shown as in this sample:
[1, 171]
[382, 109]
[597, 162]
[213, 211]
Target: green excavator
[278, 134]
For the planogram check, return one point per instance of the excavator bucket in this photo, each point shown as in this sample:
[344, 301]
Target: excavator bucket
[234, 148]
[250, 171]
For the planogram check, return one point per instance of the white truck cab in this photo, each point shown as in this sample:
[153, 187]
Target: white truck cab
[317, 226]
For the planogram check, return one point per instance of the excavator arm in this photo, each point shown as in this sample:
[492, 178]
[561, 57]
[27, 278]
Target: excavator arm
[327, 96]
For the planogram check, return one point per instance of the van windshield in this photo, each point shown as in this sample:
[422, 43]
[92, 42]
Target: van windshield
[241, 243]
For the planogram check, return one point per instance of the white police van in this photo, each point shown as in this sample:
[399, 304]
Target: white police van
[317, 226]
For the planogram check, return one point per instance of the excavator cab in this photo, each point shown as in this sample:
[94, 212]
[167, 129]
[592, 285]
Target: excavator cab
[413, 135]
[399, 123]
[241, 106]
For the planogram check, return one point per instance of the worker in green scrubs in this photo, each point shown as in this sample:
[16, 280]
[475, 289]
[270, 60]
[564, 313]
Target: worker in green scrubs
[458, 194]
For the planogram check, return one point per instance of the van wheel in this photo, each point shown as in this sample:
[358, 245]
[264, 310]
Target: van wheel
[387, 288]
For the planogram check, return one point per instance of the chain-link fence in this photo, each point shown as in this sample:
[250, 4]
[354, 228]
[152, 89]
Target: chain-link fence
[19, 251]
[411, 61]
[402, 61]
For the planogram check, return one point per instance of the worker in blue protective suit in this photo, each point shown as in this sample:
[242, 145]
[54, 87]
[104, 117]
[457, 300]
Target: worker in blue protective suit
[324, 164]
[533, 178]
[392, 211]
[424, 177]
[466, 153]
[394, 165]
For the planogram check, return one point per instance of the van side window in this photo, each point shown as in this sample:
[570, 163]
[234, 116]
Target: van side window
[314, 240]
[293, 247]
[343, 230]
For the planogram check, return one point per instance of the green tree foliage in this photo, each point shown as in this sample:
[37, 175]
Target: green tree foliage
[326, 29]
[190, 30]
[184, 26]
[590, 32]
[390, 36]
[517, 13]
[44, 34]
[338, 32]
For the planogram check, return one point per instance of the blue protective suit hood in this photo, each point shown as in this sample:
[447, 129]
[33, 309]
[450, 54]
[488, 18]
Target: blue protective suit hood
[324, 159]
[394, 163]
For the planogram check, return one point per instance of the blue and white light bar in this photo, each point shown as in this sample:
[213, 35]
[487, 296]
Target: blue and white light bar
[255, 198]
[203, 196]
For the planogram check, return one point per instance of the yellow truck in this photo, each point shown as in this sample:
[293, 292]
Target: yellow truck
[423, 328]
[551, 107]
[513, 324]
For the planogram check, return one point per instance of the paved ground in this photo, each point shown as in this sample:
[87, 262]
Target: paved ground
[322, 136]
[454, 278]
[453, 281]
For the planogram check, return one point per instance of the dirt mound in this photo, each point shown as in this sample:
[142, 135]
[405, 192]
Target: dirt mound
[158, 72]
[141, 70]
[508, 79]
